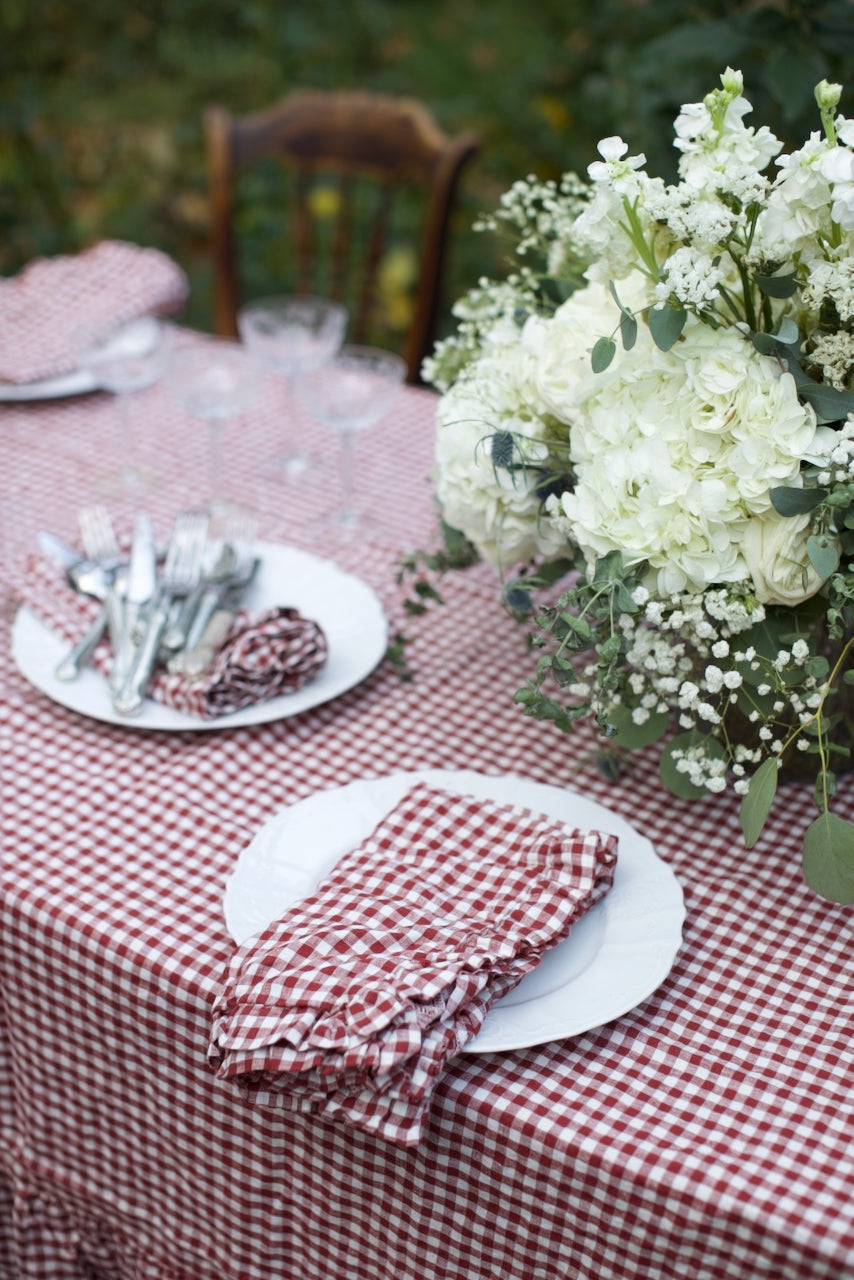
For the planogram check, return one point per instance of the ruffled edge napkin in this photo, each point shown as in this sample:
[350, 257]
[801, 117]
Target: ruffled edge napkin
[108, 285]
[351, 1004]
[265, 654]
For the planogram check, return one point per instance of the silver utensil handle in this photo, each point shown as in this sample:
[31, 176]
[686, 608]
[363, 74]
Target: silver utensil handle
[126, 647]
[80, 653]
[204, 651]
[181, 617]
[206, 609]
[129, 699]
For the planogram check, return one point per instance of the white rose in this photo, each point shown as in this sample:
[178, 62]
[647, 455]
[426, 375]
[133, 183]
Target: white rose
[775, 549]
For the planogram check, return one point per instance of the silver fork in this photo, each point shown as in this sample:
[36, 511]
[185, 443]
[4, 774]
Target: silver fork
[101, 545]
[102, 551]
[181, 572]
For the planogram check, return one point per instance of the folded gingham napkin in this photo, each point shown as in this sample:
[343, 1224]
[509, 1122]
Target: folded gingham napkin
[350, 1005]
[264, 655]
[108, 285]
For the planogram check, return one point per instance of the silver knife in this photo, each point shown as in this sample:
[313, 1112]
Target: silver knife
[141, 586]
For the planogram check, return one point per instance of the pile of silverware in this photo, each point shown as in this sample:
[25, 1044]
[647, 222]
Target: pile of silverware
[172, 610]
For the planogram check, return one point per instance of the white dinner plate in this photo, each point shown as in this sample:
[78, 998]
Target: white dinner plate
[347, 609]
[615, 956]
[75, 383]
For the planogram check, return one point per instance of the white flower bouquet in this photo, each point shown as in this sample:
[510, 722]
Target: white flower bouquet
[651, 421]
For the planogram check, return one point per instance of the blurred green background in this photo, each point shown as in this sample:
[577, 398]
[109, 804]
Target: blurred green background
[100, 119]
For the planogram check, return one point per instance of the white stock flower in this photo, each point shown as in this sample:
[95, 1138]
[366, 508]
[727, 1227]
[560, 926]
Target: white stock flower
[691, 277]
[724, 156]
[837, 166]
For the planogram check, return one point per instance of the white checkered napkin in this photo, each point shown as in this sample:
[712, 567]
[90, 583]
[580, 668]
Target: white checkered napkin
[263, 656]
[110, 284]
[352, 1003]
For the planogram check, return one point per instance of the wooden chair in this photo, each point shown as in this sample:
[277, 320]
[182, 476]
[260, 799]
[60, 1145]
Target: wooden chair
[350, 139]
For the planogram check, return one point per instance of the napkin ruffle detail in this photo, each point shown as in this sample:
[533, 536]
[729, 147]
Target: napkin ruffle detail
[109, 285]
[264, 656]
[351, 1004]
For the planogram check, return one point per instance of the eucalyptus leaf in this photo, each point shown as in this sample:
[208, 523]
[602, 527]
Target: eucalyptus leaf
[666, 325]
[756, 803]
[628, 330]
[609, 568]
[602, 354]
[788, 332]
[823, 554]
[828, 858]
[580, 626]
[794, 502]
[830, 404]
[776, 286]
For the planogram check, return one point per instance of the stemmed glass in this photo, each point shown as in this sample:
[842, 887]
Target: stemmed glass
[214, 379]
[291, 334]
[124, 360]
[352, 391]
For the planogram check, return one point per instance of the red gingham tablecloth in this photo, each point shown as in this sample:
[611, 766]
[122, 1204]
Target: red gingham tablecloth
[707, 1133]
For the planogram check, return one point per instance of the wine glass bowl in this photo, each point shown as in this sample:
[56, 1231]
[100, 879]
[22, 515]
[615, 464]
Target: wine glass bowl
[355, 389]
[123, 360]
[213, 379]
[292, 333]
[288, 335]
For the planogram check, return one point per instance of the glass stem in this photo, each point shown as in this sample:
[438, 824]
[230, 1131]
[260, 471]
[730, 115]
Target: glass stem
[128, 468]
[346, 459]
[213, 458]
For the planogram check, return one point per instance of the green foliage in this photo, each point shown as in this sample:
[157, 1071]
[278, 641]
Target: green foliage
[828, 857]
[100, 120]
[757, 801]
[665, 325]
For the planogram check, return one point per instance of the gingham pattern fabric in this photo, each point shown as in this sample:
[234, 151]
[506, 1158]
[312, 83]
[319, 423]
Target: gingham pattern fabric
[265, 654]
[110, 284]
[351, 1004]
[707, 1133]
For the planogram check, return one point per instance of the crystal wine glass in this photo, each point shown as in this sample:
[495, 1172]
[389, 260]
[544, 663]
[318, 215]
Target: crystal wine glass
[124, 360]
[291, 334]
[352, 391]
[214, 379]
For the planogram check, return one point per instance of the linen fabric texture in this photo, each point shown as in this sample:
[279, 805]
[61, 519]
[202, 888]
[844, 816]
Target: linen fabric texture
[104, 287]
[351, 1003]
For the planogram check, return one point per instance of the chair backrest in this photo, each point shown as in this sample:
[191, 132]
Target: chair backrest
[350, 139]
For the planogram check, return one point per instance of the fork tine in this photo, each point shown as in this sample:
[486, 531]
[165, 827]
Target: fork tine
[97, 533]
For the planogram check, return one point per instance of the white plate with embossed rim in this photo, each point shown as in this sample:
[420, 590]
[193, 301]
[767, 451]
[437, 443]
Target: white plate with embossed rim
[615, 956]
[348, 610]
[75, 383]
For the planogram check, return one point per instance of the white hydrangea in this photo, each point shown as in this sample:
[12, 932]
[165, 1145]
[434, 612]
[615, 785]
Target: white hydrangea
[675, 451]
[497, 510]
